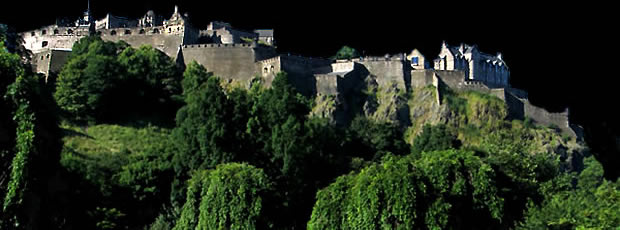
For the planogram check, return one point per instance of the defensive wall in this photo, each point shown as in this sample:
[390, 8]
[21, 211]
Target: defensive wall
[387, 71]
[136, 37]
[50, 62]
[40, 43]
[228, 61]
[330, 78]
[516, 100]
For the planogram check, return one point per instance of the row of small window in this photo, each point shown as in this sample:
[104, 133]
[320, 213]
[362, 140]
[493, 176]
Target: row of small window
[56, 32]
[113, 32]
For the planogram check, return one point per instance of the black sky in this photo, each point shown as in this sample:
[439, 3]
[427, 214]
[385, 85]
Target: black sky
[547, 46]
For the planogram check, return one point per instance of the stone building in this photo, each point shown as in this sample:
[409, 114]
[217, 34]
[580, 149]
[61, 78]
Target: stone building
[266, 36]
[417, 60]
[478, 66]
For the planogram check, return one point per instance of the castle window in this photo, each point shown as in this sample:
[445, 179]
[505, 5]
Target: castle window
[142, 31]
[265, 70]
[127, 31]
[43, 32]
[44, 44]
[271, 69]
[155, 31]
[113, 32]
[55, 32]
[414, 60]
[70, 31]
[169, 30]
[32, 33]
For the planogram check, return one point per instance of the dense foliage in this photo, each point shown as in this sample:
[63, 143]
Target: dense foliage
[105, 81]
[442, 189]
[29, 147]
[228, 197]
[235, 158]
[346, 52]
[593, 204]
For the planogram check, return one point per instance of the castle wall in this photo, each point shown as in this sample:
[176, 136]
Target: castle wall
[387, 71]
[227, 61]
[62, 40]
[169, 44]
[453, 79]
[544, 117]
[49, 62]
[327, 84]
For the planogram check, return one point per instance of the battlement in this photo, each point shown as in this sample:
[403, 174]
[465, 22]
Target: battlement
[131, 31]
[53, 31]
[386, 58]
[212, 45]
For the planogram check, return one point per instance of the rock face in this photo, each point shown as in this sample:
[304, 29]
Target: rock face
[470, 114]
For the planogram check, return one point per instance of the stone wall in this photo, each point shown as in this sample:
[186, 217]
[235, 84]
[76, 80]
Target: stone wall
[327, 84]
[136, 37]
[387, 71]
[453, 79]
[544, 117]
[50, 62]
[227, 61]
[62, 40]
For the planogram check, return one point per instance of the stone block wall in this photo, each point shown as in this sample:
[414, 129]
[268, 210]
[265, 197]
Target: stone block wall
[387, 71]
[169, 44]
[227, 61]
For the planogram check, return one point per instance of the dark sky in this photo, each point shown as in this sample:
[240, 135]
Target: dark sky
[547, 46]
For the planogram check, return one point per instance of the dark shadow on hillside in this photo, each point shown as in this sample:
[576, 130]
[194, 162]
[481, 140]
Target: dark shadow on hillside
[73, 133]
[352, 89]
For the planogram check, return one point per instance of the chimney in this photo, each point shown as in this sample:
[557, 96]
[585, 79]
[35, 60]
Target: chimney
[499, 55]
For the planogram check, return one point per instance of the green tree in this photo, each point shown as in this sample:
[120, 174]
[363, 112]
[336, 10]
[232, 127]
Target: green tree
[83, 83]
[436, 137]
[203, 123]
[149, 82]
[33, 153]
[442, 189]
[228, 197]
[371, 140]
[593, 204]
[346, 52]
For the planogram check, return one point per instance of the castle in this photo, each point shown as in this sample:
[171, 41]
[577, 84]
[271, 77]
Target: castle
[238, 55]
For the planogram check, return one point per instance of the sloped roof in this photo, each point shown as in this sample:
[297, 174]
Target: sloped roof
[264, 32]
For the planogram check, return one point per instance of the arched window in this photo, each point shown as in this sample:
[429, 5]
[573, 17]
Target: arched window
[169, 30]
[69, 31]
[55, 32]
[265, 70]
[113, 32]
[44, 44]
[127, 31]
[43, 32]
[155, 31]
[142, 31]
[271, 69]
[32, 34]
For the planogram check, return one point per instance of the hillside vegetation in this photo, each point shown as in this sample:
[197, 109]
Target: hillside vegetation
[128, 140]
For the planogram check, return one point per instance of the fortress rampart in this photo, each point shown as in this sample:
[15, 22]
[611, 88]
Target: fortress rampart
[236, 55]
[228, 61]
